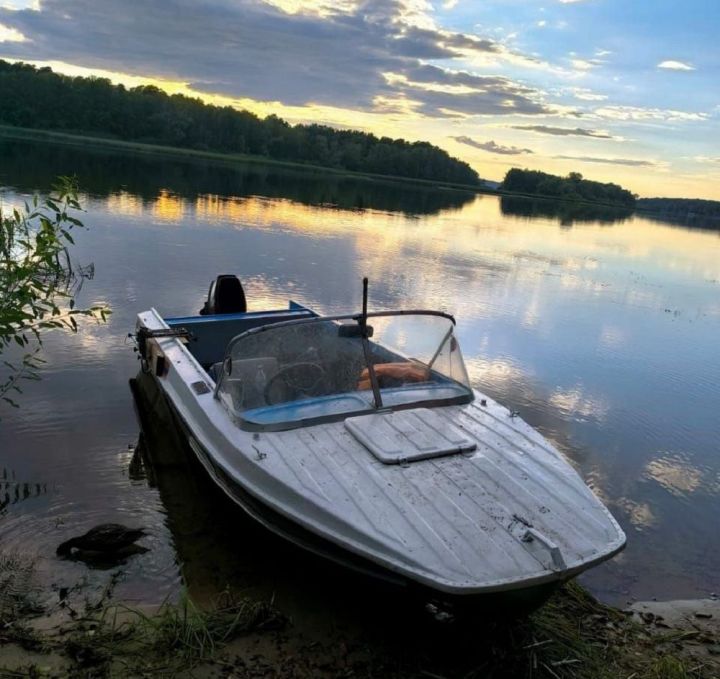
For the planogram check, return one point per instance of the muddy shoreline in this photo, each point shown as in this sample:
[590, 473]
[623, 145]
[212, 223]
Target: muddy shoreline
[88, 634]
[85, 631]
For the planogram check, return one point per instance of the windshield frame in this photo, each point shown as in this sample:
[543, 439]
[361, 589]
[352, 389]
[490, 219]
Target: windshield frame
[361, 319]
[342, 317]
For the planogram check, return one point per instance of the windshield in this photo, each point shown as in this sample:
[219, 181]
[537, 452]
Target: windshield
[292, 374]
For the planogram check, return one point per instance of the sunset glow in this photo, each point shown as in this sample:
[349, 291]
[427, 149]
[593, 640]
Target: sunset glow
[622, 92]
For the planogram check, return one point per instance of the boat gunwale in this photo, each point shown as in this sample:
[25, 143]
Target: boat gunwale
[434, 582]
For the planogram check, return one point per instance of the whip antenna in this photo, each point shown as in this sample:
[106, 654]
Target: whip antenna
[364, 301]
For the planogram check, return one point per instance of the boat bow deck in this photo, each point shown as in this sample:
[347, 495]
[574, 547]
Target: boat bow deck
[510, 511]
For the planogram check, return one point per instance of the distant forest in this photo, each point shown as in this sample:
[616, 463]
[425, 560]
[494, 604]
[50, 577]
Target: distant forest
[106, 171]
[39, 98]
[681, 207]
[567, 212]
[572, 187]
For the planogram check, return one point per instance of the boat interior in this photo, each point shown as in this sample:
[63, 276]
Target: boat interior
[212, 334]
[301, 368]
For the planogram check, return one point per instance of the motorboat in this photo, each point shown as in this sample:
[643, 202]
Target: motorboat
[359, 437]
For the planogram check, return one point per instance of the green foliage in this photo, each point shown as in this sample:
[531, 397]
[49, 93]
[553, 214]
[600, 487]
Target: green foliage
[572, 187]
[38, 281]
[42, 99]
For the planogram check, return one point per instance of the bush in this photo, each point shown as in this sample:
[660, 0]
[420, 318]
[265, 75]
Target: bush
[38, 281]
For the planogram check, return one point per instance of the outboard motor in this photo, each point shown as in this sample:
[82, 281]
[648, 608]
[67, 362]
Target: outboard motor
[226, 296]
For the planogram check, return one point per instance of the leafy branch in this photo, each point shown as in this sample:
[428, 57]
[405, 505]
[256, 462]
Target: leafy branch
[38, 281]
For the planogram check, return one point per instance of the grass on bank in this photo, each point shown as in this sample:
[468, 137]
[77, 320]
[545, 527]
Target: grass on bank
[571, 637]
[177, 637]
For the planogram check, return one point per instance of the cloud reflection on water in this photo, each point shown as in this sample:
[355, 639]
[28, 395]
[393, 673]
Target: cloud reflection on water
[676, 475]
[567, 325]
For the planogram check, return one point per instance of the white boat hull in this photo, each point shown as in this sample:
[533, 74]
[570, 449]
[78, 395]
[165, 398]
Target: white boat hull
[511, 515]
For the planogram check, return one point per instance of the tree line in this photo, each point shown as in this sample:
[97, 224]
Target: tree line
[681, 207]
[568, 213]
[39, 98]
[105, 171]
[572, 187]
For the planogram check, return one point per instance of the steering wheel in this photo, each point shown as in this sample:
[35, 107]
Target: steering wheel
[293, 382]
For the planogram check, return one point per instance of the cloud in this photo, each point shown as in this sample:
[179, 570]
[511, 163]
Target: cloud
[631, 162]
[491, 146]
[707, 159]
[427, 73]
[564, 131]
[497, 101]
[8, 34]
[589, 96]
[297, 52]
[584, 64]
[585, 94]
[672, 65]
[639, 114]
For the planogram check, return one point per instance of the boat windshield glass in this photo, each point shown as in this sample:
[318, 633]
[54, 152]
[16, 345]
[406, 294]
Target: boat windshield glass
[293, 374]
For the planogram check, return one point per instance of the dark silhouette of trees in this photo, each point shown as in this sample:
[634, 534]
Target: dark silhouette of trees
[39, 98]
[572, 187]
[568, 213]
[681, 207]
[104, 171]
[693, 212]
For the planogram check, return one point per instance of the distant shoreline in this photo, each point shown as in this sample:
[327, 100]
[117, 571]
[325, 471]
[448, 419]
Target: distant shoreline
[32, 134]
[85, 140]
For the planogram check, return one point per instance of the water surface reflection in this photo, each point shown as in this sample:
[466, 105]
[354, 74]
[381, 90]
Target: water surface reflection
[567, 213]
[135, 177]
[604, 336]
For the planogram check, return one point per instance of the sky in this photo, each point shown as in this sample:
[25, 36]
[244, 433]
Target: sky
[620, 90]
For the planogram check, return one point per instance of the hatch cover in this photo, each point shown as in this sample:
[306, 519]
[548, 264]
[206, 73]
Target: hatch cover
[408, 435]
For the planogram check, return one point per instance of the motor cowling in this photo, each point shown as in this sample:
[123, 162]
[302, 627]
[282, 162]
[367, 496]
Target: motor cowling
[226, 296]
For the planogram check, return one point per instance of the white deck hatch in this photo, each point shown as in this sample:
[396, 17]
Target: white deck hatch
[408, 435]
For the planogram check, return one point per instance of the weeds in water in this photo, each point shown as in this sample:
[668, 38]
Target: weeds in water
[17, 587]
[576, 637]
[563, 624]
[38, 281]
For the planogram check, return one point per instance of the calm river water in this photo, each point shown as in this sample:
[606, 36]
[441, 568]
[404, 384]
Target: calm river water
[599, 327]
